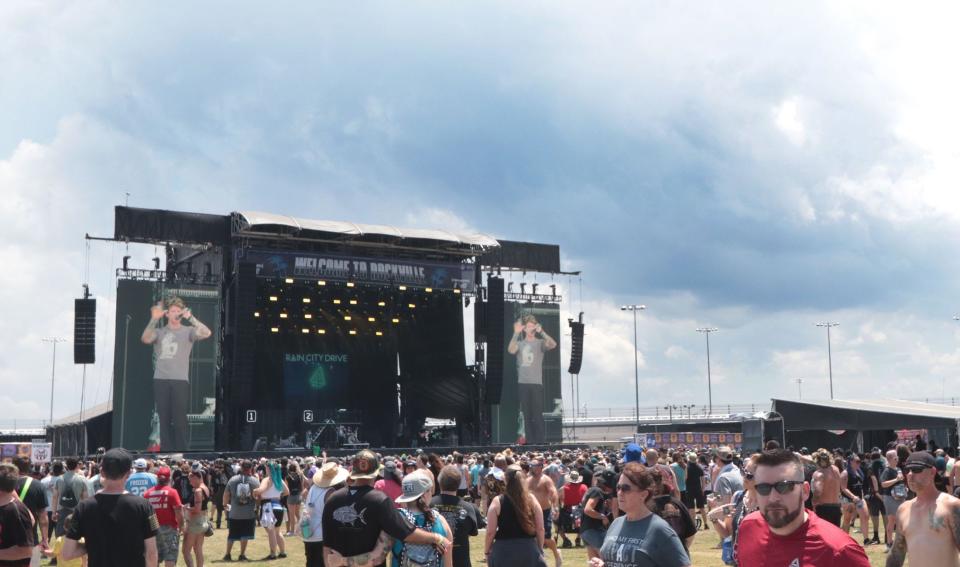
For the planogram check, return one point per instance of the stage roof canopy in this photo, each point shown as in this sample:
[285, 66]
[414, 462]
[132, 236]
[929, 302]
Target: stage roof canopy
[865, 415]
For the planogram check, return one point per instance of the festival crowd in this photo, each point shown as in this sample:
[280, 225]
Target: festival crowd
[631, 507]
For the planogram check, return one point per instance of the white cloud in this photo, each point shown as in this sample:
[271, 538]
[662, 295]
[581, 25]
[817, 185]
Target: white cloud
[788, 121]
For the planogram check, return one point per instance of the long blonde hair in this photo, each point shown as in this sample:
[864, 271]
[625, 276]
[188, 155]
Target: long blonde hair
[519, 497]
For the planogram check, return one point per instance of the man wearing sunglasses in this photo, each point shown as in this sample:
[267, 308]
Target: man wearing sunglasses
[783, 532]
[928, 527]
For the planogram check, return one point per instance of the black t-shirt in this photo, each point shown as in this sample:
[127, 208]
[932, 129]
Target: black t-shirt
[589, 522]
[115, 527]
[675, 513]
[354, 517]
[694, 476]
[463, 520]
[888, 474]
[16, 530]
[295, 484]
[36, 501]
[181, 483]
[587, 474]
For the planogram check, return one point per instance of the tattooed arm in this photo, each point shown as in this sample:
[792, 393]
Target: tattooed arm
[898, 553]
[955, 522]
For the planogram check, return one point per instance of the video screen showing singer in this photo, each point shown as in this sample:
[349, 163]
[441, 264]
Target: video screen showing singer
[172, 344]
[529, 351]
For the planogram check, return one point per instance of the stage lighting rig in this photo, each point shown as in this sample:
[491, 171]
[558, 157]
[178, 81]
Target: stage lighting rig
[156, 262]
[126, 260]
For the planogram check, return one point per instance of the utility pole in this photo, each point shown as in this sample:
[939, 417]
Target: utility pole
[829, 325]
[706, 331]
[799, 381]
[53, 370]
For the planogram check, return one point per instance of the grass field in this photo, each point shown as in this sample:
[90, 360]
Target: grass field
[704, 552]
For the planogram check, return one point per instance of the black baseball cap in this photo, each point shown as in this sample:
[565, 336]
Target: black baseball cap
[921, 458]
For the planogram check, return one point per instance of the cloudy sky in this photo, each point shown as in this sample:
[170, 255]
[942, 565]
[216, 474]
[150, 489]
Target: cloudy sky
[755, 167]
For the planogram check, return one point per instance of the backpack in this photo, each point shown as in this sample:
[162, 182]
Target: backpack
[68, 498]
[419, 554]
[244, 494]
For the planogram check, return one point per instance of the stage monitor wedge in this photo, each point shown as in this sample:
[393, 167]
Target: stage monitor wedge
[84, 331]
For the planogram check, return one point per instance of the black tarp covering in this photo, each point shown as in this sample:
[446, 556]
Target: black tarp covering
[527, 256]
[156, 225]
[800, 416]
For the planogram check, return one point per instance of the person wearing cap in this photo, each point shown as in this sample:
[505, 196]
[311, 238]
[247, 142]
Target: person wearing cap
[329, 478]
[783, 531]
[729, 480]
[355, 517]
[169, 510]
[573, 492]
[240, 504]
[390, 484]
[118, 528]
[417, 489]
[928, 526]
[140, 481]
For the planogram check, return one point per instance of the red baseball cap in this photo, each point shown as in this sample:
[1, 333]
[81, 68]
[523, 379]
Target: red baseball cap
[163, 472]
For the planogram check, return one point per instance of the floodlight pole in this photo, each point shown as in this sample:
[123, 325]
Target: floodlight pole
[799, 382]
[829, 325]
[636, 361]
[53, 370]
[706, 331]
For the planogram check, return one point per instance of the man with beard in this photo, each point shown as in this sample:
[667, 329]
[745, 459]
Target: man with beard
[826, 488]
[783, 532]
[928, 527]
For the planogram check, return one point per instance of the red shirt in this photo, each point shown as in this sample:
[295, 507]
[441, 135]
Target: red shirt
[573, 493]
[164, 500]
[817, 543]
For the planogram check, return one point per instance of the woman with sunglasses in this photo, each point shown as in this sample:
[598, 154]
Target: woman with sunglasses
[639, 537]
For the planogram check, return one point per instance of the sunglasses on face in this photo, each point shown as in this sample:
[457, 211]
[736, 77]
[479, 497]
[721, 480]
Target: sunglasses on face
[626, 488]
[782, 487]
[915, 469]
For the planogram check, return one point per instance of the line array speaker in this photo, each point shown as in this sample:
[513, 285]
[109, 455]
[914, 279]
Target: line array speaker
[576, 347]
[495, 345]
[84, 331]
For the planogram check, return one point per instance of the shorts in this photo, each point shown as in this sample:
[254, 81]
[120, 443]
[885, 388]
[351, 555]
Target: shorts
[696, 499]
[277, 514]
[197, 524]
[567, 520]
[293, 499]
[168, 543]
[241, 530]
[548, 523]
[890, 505]
[593, 537]
[829, 512]
[875, 505]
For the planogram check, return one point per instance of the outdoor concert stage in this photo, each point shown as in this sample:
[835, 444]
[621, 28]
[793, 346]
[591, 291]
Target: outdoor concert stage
[325, 333]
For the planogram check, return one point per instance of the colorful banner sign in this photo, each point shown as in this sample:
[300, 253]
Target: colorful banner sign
[10, 450]
[692, 440]
[368, 270]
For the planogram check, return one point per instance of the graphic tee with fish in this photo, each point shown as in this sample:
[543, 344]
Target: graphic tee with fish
[354, 517]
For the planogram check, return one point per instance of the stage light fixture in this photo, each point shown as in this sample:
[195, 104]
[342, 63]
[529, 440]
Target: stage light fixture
[382, 303]
[274, 329]
[534, 289]
[306, 300]
[307, 316]
[156, 262]
[353, 331]
[321, 282]
[411, 306]
[350, 284]
[523, 288]
[353, 302]
[428, 290]
[347, 318]
[288, 280]
[336, 302]
[273, 298]
[395, 320]
[371, 319]
[321, 331]
[256, 313]
[456, 290]
[379, 333]
[305, 331]
[403, 288]
[509, 287]
[553, 290]
[283, 315]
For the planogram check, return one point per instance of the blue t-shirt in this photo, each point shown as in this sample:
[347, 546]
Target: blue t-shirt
[475, 475]
[140, 482]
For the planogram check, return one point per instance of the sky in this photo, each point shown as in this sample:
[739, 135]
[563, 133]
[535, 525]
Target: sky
[754, 167]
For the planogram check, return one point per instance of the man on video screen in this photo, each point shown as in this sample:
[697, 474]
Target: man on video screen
[528, 344]
[172, 344]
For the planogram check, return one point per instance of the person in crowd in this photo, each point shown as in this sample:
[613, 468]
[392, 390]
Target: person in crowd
[272, 488]
[728, 479]
[514, 536]
[679, 468]
[329, 478]
[358, 520]
[17, 527]
[390, 483]
[54, 472]
[543, 489]
[726, 519]
[852, 487]
[672, 510]
[198, 527]
[666, 472]
[638, 537]
[417, 490]
[599, 509]
[826, 488]
[928, 526]
[118, 528]
[894, 491]
[140, 481]
[461, 516]
[573, 492]
[696, 499]
[68, 491]
[30, 492]
[218, 483]
[169, 511]
[240, 504]
[494, 484]
[872, 472]
[783, 532]
[294, 482]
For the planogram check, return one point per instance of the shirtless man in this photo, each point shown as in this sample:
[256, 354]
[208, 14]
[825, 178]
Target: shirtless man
[928, 527]
[542, 487]
[826, 488]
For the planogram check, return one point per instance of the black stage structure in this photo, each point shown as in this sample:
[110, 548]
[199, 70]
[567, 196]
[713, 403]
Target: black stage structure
[327, 333]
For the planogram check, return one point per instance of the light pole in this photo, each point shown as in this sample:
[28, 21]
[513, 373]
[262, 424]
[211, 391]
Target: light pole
[829, 325]
[799, 381]
[706, 331]
[636, 360]
[53, 371]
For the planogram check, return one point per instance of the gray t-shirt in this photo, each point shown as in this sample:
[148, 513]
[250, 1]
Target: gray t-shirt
[240, 511]
[530, 361]
[649, 542]
[171, 352]
[729, 481]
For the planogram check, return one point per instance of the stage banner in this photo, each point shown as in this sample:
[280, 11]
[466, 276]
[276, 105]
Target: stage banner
[530, 409]
[40, 453]
[368, 270]
[10, 450]
[165, 360]
[692, 440]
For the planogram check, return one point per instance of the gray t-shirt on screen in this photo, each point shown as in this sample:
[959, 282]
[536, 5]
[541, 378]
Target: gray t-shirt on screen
[530, 361]
[240, 511]
[649, 542]
[171, 352]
